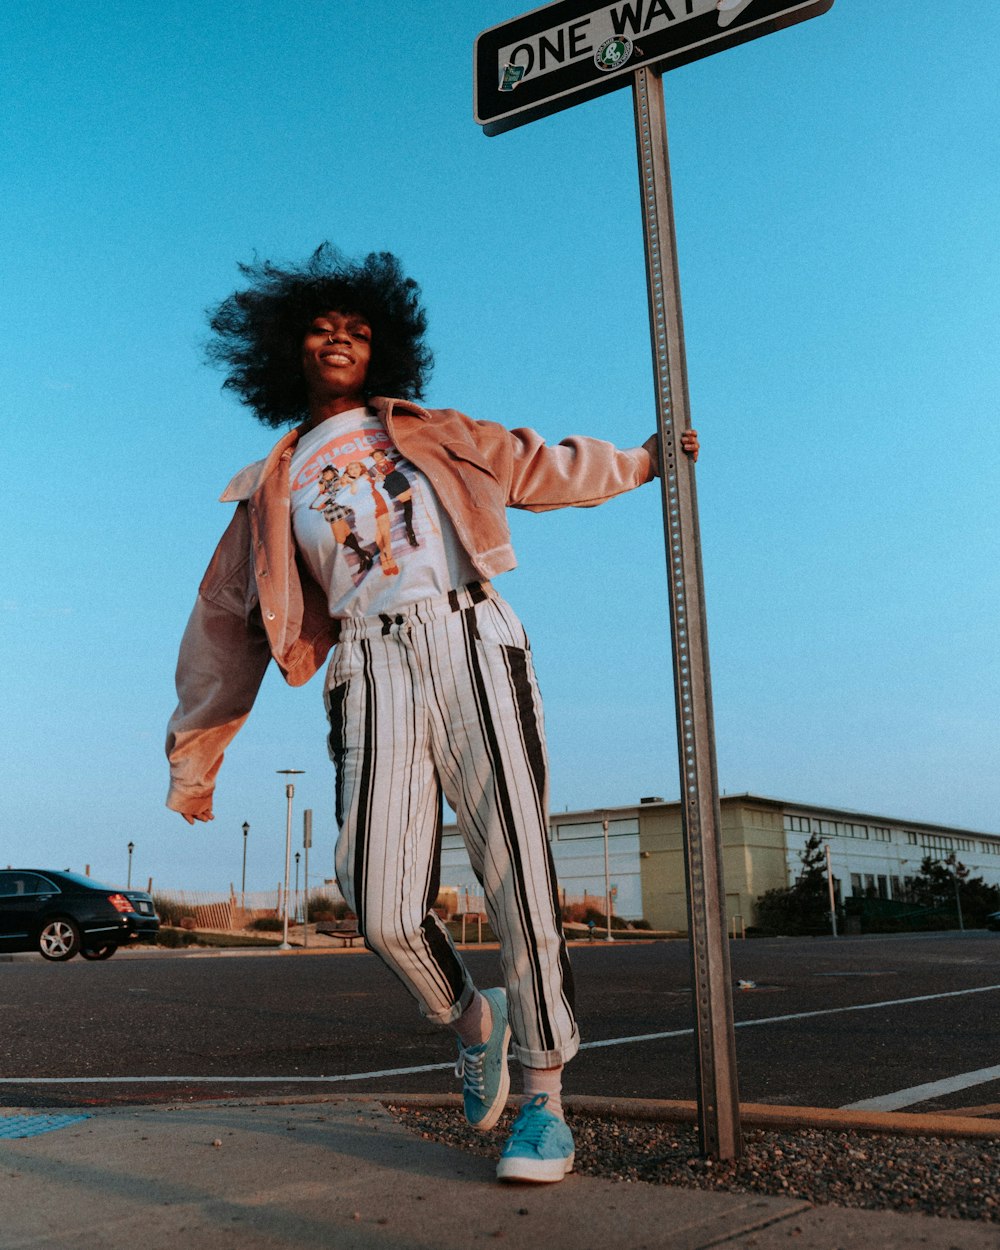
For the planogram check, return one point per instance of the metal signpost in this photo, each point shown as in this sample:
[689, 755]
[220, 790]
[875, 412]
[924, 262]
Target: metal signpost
[530, 67]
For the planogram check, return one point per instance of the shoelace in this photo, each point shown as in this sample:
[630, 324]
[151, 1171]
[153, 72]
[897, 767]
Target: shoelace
[470, 1068]
[532, 1128]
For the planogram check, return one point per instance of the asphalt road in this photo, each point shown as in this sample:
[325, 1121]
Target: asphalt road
[825, 1023]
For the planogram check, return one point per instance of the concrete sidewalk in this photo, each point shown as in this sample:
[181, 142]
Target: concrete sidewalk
[343, 1173]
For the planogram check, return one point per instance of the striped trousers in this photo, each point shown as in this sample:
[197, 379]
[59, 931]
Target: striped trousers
[443, 697]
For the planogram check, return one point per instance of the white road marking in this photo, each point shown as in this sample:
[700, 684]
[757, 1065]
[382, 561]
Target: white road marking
[441, 1067]
[920, 1093]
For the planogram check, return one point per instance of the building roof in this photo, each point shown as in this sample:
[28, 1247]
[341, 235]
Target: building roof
[788, 805]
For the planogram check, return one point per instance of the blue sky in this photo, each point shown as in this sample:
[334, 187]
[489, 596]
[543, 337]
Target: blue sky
[837, 192]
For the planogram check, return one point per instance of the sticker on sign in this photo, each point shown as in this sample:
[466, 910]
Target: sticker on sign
[573, 50]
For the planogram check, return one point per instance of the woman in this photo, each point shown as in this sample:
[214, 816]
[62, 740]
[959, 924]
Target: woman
[337, 516]
[398, 489]
[355, 476]
[430, 687]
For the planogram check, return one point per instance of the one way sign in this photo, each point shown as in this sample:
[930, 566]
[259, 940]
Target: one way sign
[573, 50]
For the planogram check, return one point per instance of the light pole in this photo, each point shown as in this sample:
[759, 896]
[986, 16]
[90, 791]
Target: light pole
[958, 873]
[289, 793]
[131, 848]
[307, 841]
[298, 901]
[607, 884]
[243, 879]
[833, 900]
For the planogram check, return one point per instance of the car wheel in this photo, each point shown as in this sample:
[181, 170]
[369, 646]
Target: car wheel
[59, 939]
[99, 952]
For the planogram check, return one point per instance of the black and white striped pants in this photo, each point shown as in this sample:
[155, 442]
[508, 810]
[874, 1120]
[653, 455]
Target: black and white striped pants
[444, 697]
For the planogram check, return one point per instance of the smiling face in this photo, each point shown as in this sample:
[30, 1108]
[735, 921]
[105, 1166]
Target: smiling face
[336, 352]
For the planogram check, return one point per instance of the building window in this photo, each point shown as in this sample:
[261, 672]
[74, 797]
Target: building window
[797, 824]
[856, 890]
[897, 887]
[880, 833]
[870, 890]
[911, 837]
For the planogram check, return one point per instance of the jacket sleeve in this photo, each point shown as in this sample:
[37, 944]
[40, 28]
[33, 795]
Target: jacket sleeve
[223, 656]
[577, 472]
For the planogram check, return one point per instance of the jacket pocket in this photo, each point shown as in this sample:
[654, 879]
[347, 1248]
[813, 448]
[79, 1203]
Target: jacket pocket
[228, 580]
[475, 473]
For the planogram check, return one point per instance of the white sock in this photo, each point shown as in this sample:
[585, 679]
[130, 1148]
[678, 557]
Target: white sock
[475, 1023]
[545, 1081]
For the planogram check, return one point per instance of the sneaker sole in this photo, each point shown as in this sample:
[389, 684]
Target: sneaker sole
[535, 1171]
[496, 1107]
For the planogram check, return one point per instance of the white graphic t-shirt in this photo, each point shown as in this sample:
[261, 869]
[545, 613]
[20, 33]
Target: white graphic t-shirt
[368, 523]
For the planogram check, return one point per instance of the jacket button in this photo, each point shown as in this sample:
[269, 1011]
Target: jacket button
[262, 572]
[270, 616]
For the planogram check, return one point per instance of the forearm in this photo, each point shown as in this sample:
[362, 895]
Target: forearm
[219, 670]
[577, 472]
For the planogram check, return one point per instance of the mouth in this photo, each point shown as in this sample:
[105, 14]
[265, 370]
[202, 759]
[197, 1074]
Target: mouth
[336, 357]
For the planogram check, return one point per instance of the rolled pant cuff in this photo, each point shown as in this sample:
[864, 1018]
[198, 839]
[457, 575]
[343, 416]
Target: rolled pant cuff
[450, 1014]
[547, 1058]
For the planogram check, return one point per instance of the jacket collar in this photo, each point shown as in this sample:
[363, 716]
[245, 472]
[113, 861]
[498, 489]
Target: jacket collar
[249, 480]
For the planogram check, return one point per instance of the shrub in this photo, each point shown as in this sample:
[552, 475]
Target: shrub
[268, 924]
[168, 911]
[584, 913]
[323, 907]
[169, 936]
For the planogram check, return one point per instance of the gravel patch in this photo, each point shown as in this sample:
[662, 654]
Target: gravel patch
[948, 1177]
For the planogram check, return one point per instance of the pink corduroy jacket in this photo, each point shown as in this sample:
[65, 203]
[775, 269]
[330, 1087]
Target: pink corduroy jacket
[258, 601]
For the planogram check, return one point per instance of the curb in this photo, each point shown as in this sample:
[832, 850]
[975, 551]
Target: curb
[752, 1115]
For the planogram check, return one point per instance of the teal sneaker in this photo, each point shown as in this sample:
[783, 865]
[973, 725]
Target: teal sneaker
[540, 1147]
[483, 1068]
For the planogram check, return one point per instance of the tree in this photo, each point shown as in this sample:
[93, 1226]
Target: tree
[805, 906]
[947, 884]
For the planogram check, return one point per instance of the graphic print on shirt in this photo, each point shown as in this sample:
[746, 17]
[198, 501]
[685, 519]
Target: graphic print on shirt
[365, 490]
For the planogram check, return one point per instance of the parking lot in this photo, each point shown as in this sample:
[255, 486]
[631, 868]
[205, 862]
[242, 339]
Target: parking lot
[901, 1022]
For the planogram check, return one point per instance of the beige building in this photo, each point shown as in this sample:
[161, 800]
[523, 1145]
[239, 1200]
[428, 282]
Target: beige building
[761, 841]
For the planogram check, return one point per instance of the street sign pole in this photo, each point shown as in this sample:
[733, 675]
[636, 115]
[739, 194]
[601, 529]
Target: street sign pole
[532, 66]
[718, 1097]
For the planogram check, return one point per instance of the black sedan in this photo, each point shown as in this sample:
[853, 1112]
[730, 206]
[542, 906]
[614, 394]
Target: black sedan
[61, 914]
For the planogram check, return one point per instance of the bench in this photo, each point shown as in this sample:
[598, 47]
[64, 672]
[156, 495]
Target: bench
[346, 930]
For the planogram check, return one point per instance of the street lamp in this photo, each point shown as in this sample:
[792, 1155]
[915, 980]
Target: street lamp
[131, 848]
[829, 886]
[289, 792]
[607, 883]
[298, 904]
[958, 873]
[243, 879]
